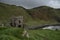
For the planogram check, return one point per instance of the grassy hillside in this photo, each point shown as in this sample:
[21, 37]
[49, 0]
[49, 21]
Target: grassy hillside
[58, 12]
[16, 34]
[45, 13]
[8, 11]
[35, 16]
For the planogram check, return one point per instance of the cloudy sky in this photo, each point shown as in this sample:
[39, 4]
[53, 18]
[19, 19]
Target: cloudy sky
[33, 3]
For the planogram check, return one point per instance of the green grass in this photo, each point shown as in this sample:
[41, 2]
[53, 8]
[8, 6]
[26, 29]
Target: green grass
[45, 35]
[8, 11]
[40, 22]
[10, 33]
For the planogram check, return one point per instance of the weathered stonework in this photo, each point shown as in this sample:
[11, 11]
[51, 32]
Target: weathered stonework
[17, 21]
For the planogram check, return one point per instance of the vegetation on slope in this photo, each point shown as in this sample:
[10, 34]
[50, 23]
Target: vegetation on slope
[7, 33]
[40, 15]
[44, 13]
[35, 16]
[8, 11]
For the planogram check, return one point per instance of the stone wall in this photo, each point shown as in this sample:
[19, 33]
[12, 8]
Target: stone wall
[17, 21]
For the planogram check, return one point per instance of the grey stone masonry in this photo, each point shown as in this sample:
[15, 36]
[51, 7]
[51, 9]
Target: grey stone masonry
[17, 21]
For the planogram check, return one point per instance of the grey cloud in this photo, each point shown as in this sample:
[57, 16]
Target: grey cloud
[33, 3]
[54, 3]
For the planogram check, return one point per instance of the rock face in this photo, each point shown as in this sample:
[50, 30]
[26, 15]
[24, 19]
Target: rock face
[17, 21]
[46, 26]
[52, 27]
[25, 33]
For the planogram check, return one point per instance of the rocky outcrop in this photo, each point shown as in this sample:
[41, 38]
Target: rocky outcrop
[46, 26]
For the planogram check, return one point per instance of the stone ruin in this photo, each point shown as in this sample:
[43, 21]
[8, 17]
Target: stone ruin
[17, 21]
